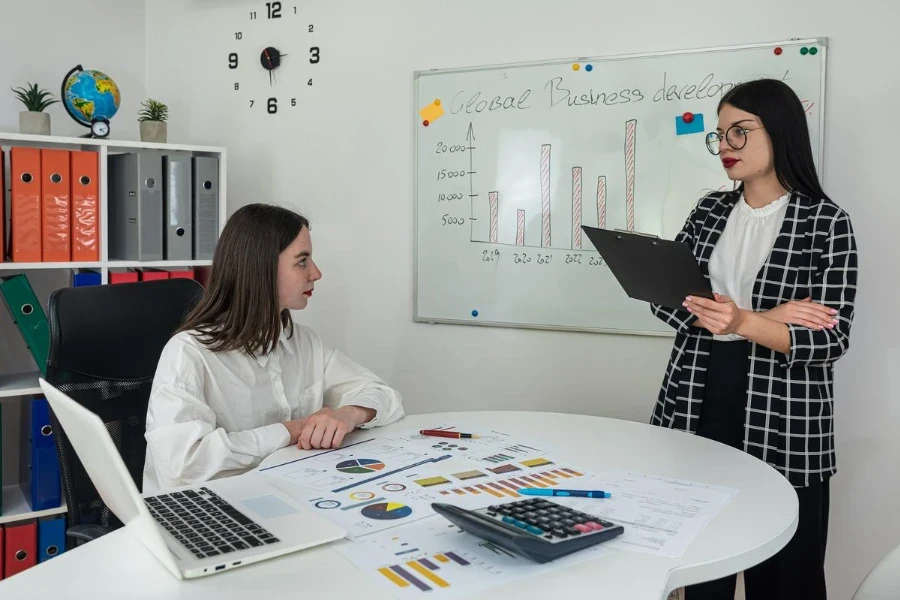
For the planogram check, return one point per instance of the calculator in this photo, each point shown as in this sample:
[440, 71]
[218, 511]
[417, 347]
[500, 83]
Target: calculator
[535, 528]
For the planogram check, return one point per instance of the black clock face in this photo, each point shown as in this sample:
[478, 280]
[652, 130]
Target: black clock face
[274, 57]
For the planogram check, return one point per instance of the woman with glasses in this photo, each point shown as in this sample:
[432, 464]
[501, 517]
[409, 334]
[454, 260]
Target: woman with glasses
[753, 368]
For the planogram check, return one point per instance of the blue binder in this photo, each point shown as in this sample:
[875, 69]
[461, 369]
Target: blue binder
[45, 485]
[85, 278]
[51, 538]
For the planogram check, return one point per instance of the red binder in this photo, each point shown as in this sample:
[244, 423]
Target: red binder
[25, 185]
[20, 551]
[151, 275]
[85, 207]
[55, 189]
[122, 277]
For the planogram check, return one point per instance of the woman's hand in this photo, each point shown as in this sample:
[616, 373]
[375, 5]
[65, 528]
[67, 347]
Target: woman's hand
[327, 427]
[805, 313]
[720, 316]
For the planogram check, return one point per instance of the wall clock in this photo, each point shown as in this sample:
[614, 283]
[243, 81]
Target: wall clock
[273, 56]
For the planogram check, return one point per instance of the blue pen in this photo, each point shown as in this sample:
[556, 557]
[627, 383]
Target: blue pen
[558, 492]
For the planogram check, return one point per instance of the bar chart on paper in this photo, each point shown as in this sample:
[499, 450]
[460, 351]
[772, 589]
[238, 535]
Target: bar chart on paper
[511, 161]
[433, 557]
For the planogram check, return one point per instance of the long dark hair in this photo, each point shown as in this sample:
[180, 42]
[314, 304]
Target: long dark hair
[239, 308]
[781, 113]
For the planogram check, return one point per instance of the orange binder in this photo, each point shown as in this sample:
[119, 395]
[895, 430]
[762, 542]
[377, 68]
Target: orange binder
[25, 209]
[55, 190]
[20, 550]
[2, 219]
[85, 207]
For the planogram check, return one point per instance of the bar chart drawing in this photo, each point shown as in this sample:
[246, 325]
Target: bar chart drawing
[509, 487]
[550, 205]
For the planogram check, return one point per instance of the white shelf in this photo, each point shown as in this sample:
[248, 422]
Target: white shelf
[20, 384]
[22, 266]
[23, 139]
[16, 507]
[121, 264]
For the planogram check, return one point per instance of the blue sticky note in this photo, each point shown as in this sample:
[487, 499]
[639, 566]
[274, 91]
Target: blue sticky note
[695, 126]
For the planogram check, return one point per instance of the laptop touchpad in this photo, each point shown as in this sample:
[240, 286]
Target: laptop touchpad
[269, 507]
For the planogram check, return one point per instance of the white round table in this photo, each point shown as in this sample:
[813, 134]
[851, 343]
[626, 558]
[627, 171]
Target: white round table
[756, 523]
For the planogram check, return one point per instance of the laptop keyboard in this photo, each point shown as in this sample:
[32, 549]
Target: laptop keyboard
[206, 524]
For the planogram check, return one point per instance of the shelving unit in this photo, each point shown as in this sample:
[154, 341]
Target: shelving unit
[19, 377]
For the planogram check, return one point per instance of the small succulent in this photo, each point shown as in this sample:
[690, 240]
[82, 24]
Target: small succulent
[153, 111]
[34, 98]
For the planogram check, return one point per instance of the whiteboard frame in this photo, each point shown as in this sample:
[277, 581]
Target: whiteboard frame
[822, 42]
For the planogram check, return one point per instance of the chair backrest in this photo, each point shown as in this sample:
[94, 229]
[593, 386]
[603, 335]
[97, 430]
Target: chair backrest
[883, 581]
[105, 343]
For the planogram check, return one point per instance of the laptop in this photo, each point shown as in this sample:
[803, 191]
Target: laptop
[648, 268]
[193, 530]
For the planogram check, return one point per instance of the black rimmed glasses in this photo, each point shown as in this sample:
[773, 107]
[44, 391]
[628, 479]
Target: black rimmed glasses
[736, 136]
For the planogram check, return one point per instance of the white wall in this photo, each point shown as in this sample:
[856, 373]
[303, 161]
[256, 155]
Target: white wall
[106, 35]
[344, 159]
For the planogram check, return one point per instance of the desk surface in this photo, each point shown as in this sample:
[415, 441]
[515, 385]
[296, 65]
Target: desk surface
[757, 523]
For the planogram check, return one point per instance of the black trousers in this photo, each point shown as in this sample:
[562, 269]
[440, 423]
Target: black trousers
[797, 572]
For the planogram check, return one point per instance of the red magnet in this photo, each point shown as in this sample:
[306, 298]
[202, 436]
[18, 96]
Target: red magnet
[778, 51]
[687, 117]
[425, 123]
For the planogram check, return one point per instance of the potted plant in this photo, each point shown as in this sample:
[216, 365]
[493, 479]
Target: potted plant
[153, 121]
[34, 119]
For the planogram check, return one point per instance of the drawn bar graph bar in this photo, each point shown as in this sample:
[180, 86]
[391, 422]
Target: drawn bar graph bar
[520, 227]
[545, 195]
[456, 558]
[576, 208]
[629, 172]
[409, 577]
[492, 200]
[427, 574]
[601, 202]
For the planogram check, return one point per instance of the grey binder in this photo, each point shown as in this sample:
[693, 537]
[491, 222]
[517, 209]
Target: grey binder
[178, 236]
[135, 206]
[206, 206]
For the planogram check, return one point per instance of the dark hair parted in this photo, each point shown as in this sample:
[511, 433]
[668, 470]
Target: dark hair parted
[239, 309]
[781, 112]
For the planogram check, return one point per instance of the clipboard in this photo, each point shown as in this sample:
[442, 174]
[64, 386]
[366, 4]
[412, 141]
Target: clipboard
[649, 268]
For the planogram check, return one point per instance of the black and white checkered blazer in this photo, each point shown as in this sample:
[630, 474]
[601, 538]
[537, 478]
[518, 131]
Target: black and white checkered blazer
[788, 418]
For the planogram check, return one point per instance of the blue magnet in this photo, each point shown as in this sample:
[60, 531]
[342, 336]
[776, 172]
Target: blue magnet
[589, 68]
[689, 123]
[474, 313]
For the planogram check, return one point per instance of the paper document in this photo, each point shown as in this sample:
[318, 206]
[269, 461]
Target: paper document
[434, 557]
[378, 483]
[660, 515]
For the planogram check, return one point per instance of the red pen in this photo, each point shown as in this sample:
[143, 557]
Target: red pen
[447, 434]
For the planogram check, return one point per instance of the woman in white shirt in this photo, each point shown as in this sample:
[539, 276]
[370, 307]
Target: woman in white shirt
[753, 368]
[240, 379]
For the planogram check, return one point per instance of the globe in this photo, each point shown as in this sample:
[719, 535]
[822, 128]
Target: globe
[90, 96]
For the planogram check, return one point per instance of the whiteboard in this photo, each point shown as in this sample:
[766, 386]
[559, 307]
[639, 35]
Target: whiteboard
[510, 161]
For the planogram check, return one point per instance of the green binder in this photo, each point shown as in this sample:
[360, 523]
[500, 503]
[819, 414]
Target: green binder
[29, 317]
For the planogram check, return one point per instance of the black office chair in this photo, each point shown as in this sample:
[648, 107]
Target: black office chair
[105, 343]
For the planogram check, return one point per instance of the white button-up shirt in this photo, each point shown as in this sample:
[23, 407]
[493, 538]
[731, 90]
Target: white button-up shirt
[216, 414]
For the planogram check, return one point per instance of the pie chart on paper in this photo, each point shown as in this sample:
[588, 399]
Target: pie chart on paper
[360, 465]
[386, 511]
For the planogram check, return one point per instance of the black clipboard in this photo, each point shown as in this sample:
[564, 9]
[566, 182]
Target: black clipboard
[648, 268]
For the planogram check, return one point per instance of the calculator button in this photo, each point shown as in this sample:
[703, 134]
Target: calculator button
[508, 519]
[560, 533]
[594, 526]
[534, 530]
[605, 523]
[556, 525]
[568, 522]
[583, 528]
[573, 531]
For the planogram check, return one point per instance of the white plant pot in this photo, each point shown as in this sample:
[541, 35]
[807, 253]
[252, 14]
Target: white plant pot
[34, 122]
[153, 131]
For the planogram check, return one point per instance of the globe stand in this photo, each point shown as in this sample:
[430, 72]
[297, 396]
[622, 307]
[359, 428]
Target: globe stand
[99, 128]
